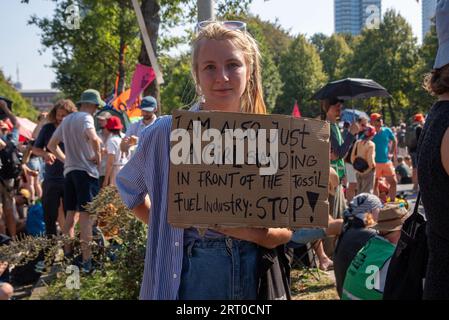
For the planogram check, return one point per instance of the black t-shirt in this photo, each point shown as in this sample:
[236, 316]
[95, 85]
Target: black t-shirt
[56, 170]
[352, 239]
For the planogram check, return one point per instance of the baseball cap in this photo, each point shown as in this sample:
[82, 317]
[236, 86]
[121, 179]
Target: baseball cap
[375, 116]
[418, 117]
[442, 25]
[149, 104]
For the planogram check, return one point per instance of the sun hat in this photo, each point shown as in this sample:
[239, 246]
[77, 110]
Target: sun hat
[91, 96]
[149, 104]
[114, 123]
[391, 217]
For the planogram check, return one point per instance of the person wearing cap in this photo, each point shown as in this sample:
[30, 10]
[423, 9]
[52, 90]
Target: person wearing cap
[415, 131]
[81, 158]
[53, 185]
[433, 164]
[331, 111]
[366, 275]
[366, 150]
[148, 107]
[361, 214]
[102, 118]
[115, 159]
[384, 166]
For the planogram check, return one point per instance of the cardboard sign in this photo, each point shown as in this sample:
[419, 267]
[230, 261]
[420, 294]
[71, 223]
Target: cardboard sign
[236, 169]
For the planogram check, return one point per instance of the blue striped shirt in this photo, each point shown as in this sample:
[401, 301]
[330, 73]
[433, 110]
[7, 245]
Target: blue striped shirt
[147, 173]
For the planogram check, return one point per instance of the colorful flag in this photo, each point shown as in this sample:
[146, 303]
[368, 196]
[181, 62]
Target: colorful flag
[142, 78]
[296, 113]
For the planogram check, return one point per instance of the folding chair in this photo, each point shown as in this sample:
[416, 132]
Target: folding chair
[304, 258]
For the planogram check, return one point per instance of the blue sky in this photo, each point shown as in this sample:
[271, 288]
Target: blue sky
[21, 42]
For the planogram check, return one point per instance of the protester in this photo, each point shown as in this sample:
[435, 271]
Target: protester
[226, 68]
[384, 166]
[365, 277]
[365, 150]
[6, 289]
[400, 137]
[403, 172]
[433, 165]
[102, 119]
[148, 107]
[8, 174]
[115, 158]
[362, 213]
[53, 185]
[81, 158]
[412, 144]
[330, 111]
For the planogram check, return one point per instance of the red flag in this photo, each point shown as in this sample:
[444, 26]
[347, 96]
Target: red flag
[296, 113]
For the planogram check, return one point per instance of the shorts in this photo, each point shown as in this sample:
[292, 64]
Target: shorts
[350, 173]
[385, 170]
[79, 189]
[7, 193]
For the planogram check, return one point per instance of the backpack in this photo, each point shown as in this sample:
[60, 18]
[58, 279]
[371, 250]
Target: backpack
[11, 161]
[407, 270]
[35, 224]
[410, 136]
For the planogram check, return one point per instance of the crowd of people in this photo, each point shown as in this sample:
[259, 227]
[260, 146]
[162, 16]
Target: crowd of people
[79, 148]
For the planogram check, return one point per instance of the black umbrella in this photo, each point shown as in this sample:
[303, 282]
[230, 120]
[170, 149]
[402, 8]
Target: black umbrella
[350, 88]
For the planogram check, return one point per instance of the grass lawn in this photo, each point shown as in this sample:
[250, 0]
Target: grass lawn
[312, 284]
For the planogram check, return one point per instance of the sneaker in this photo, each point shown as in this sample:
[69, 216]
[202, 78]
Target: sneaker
[86, 267]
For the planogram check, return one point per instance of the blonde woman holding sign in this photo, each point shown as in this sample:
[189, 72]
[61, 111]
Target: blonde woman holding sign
[179, 263]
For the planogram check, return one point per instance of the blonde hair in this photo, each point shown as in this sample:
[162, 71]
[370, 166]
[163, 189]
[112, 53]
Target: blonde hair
[252, 98]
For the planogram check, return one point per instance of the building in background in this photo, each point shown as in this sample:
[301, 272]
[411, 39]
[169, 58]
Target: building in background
[352, 16]
[43, 100]
[428, 12]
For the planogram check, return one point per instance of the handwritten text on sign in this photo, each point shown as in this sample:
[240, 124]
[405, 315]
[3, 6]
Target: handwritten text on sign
[273, 173]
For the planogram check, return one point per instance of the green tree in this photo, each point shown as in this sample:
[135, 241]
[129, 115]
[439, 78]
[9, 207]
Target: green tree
[389, 56]
[21, 107]
[93, 55]
[179, 88]
[335, 54]
[302, 74]
[421, 100]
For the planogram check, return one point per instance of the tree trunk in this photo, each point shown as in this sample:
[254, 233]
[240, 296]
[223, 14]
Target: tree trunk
[151, 15]
[392, 113]
[121, 67]
[121, 56]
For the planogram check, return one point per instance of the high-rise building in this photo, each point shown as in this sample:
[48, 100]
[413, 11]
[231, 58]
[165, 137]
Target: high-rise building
[352, 16]
[428, 12]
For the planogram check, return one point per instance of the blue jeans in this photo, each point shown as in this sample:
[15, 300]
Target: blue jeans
[219, 269]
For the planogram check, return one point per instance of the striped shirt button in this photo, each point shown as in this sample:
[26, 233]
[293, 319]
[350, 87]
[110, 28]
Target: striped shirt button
[176, 244]
[175, 276]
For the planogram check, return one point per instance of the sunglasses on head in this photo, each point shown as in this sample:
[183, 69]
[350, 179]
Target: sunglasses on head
[231, 25]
